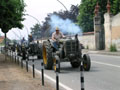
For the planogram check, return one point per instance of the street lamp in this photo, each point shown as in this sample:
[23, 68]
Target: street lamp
[34, 18]
[26, 29]
[63, 5]
[16, 35]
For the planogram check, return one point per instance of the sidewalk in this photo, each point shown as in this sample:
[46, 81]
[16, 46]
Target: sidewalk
[103, 52]
[12, 77]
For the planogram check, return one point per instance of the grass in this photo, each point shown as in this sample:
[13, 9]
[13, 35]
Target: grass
[113, 48]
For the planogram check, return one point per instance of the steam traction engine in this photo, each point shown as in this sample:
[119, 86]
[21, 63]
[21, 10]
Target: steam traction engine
[69, 50]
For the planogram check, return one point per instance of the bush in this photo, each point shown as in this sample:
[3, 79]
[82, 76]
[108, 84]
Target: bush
[87, 47]
[113, 48]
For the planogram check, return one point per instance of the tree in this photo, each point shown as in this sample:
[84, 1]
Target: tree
[36, 30]
[116, 6]
[86, 12]
[72, 14]
[11, 12]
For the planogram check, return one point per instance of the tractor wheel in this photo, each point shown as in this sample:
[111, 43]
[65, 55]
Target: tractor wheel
[75, 64]
[54, 61]
[86, 62]
[39, 56]
[47, 55]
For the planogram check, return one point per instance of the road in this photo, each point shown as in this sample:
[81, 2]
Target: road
[104, 74]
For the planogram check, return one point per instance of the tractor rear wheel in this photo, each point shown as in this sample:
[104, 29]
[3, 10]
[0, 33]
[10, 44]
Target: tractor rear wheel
[86, 62]
[47, 55]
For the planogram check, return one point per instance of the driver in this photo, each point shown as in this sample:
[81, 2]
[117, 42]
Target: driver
[56, 36]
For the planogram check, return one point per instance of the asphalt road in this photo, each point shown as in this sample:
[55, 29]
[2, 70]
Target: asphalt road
[104, 74]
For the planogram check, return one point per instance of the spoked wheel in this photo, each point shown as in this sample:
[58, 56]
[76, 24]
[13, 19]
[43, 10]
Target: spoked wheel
[56, 58]
[86, 62]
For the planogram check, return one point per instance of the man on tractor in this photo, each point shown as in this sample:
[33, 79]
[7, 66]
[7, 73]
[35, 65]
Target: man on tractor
[56, 36]
[30, 38]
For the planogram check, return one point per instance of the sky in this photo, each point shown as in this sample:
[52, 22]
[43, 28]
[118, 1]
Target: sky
[38, 9]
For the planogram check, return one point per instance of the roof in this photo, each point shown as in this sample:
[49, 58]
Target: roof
[1, 39]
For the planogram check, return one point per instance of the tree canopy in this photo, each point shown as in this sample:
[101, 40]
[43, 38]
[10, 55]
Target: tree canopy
[86, 12]
[11, 12]
[36, 30]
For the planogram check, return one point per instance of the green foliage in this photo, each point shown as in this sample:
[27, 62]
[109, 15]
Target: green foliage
[87, 47]
[36, 30]
[86, 12]
[11, 12]
[113, 48]
[116, 6]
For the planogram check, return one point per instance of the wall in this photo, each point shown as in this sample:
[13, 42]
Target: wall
[112, 30]
[116, 30]
[88, 41]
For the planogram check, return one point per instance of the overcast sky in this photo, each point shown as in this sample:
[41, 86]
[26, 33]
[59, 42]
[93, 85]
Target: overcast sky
[39, 9]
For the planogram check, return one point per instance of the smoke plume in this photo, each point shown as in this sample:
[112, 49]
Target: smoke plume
[66, 26]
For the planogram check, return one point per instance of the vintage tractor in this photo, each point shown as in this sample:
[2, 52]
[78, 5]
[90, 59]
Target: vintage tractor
[32, 49]
[22, 50]
[35, 49]
[69, 50]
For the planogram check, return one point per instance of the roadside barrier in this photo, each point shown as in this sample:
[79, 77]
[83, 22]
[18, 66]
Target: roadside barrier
[27, 63]
[82, 76]
[18, 59]
[33, 67]
[21, 63]
[12, 55]
[42, 71]
[57, 76]
[15, 56]
[57, 73]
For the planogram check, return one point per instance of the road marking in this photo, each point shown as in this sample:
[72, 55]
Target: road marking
[106, 55]
[50, 78]
[106, 64]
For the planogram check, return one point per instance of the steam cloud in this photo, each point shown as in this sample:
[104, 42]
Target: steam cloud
[66, 26]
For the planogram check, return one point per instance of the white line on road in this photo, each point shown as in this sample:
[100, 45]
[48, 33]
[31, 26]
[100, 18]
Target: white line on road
[106, 55]
[106, 64]
[50, 78]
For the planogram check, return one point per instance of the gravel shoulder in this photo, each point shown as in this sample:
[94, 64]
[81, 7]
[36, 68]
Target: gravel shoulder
[12, 77]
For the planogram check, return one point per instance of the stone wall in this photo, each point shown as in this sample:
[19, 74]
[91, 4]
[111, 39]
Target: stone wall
[116, 30]
[88, 41]
[112, 30]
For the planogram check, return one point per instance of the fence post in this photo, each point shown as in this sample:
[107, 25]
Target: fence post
[42, 72]
[33, 67]
[82, 76]
[27, 62]
[18, 59]
[21, 63]
[15, 56]
[57, 74]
